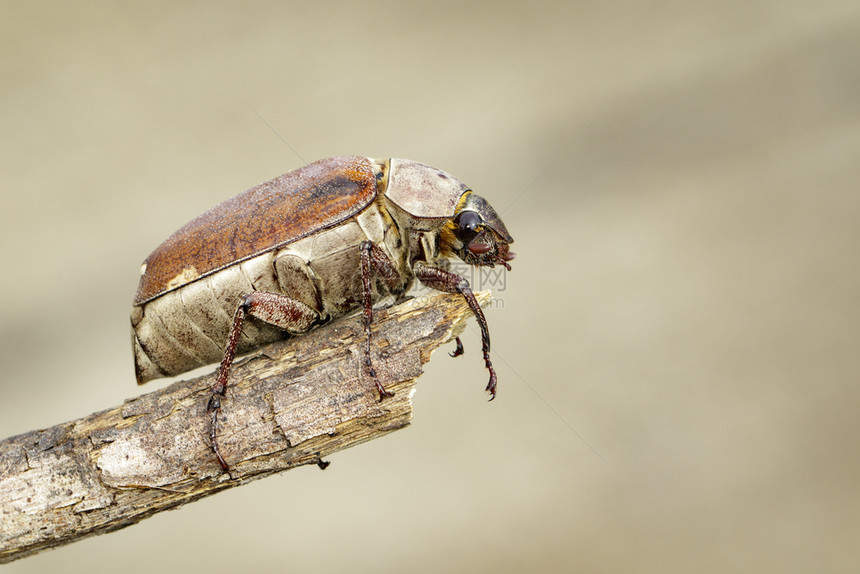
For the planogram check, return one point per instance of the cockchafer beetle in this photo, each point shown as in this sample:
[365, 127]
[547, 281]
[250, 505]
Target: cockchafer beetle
[304, 248]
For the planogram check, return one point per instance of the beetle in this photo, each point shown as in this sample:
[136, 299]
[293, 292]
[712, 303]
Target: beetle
[299, 250]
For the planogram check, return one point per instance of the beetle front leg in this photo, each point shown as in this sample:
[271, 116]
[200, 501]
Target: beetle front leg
[443, 280]
[278, 310]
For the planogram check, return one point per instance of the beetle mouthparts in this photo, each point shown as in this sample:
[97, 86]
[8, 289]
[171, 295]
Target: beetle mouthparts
[503, 259]
[478, 248]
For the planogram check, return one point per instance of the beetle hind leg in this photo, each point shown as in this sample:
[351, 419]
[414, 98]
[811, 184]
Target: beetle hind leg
[275, 309]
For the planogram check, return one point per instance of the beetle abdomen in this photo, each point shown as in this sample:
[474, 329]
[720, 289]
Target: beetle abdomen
[187, 327]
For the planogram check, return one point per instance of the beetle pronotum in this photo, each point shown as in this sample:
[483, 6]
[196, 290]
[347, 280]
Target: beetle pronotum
[301, 249]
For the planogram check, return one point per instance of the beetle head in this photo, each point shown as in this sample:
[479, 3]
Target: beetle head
[476, 234]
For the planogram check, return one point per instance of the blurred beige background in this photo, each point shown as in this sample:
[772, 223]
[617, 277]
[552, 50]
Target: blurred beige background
[677, 344]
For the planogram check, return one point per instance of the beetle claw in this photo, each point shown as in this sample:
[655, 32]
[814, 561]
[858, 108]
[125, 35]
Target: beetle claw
[222, 463]
[459, 350]
[383, 392]
[491, 386]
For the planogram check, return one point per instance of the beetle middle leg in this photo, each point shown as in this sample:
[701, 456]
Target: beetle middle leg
[443, 280]
[372, 256]
[275, 309]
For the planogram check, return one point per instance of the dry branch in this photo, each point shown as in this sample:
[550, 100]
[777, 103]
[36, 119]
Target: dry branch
[289, 404]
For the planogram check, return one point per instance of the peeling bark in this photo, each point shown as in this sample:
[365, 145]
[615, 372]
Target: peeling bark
[288, 404]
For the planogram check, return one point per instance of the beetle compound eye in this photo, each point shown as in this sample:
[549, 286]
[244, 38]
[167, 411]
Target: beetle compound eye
[469, 221]
[468, 226]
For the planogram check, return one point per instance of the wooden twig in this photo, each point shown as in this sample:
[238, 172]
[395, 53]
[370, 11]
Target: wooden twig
[288, 404]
